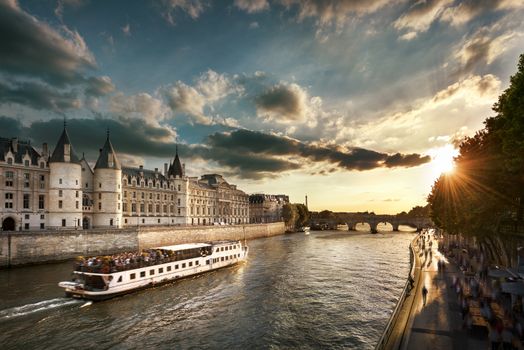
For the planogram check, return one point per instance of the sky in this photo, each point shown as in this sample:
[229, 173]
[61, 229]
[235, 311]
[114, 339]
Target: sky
[358, 104]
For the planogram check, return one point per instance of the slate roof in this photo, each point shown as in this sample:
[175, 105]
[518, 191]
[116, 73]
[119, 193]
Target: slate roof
[58, 153]
[107, 158]
[23, 147]
[148, 174]
[175, 168]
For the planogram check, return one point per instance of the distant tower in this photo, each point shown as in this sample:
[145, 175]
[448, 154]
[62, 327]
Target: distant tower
[306, 202]
[65, 188]
[107, 188]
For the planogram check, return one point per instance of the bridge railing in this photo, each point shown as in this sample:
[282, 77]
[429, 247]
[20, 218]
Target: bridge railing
[386, 334]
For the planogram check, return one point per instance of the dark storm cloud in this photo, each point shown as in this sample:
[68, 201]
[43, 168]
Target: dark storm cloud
[283, 101]
[38, 96]
[247, 154]
[32, 48]
[258, 143]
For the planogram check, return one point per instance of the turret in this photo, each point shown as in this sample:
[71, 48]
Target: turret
[65, 188]
[107, 188]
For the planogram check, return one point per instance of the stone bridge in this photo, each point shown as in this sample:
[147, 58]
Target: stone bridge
[373, 220]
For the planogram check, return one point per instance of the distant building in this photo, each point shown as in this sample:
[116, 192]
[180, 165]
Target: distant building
[264, 208]
[62, 191]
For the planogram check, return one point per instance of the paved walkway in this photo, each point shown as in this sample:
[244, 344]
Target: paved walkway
[438, 324]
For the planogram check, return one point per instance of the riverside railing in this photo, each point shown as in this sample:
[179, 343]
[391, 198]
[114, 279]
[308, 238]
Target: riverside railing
[384, 339]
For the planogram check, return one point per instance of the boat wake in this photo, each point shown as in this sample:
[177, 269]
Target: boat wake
[27, 309]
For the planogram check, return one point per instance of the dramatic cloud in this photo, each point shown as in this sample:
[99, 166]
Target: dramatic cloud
[139, 106]
[460, 106]
[38, 96]
[421, 14]
[209, 88]
[337, 12]
[283, 103]
[99, 86]
[193, 8]
[250, 154]
[61, 4]
[32, 48]
[483, 47]
[252, 6]
[466, 10]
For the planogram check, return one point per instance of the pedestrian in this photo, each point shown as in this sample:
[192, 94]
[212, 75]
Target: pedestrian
[424, 294]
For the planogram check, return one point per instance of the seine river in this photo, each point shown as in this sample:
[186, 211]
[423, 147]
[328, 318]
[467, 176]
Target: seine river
[329, 289]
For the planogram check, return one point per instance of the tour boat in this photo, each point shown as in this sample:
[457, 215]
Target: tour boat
[161, 265]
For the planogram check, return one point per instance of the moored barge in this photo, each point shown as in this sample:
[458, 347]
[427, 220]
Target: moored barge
[100, 278]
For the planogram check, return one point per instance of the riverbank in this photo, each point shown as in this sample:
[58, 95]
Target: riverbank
[35, 247]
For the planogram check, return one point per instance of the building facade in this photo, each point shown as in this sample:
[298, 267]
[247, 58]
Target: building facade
[39, 190]
[264, 208]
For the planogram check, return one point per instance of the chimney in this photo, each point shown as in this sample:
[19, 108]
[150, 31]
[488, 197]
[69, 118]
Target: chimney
[156, 170]
[141, 167]
[44, 149]
[99, 150]
[184, 169]
[14, 144]
[165, 169]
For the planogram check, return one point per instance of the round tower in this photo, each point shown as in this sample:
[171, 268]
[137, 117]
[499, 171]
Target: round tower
[107, 188]
[65, 187]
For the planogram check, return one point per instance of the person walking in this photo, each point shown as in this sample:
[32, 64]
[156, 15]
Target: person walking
[424, 294]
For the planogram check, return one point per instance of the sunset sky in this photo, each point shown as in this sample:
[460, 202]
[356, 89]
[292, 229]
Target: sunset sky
[355, 103]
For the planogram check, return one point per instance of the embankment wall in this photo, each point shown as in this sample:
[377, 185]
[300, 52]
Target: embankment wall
[22, 248]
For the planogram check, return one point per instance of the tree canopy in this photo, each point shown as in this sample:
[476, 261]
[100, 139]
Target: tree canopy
[487, 185]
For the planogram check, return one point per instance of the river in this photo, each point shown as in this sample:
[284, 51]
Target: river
[329, 289]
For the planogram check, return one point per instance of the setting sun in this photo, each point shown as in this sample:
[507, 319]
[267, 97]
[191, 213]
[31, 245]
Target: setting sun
[442, 159]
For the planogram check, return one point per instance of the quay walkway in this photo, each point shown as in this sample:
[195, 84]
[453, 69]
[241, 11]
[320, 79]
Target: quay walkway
[438, 324]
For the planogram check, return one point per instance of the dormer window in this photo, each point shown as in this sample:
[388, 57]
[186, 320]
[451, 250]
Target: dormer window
[67, 152]
[42, 165]
[26, 162]
[9, 160]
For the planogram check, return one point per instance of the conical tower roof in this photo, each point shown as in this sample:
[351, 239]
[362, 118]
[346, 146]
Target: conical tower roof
[175, 168]
[107, 158]
[64, 152]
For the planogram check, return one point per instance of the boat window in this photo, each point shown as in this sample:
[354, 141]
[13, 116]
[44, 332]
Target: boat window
[132, 276]
[169, 268]
[161, 270]
[216, 251]
[183, 265]
[227, 258]
[190, 263]
[197, 262]
[151, 272]
[222, 249]
[222, 259]
[94, 282]
[119, 279]
[143, 274]
[207, 262]
[176, 267]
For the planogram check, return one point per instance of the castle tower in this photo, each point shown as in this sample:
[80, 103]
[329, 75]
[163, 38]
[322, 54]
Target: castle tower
[176, 175]
[65, 188]
[107, 188]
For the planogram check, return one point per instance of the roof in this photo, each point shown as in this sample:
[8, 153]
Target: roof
[175, 168]
[107, 158]
[23, 147]
[148, 174]
[184, 246]
[63, 145]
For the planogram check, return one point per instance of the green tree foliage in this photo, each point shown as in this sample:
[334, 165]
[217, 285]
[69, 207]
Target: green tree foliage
[303, 215]
[487, 185]
[290, 214]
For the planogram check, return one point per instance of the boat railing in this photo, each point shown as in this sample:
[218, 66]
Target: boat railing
[386, 334]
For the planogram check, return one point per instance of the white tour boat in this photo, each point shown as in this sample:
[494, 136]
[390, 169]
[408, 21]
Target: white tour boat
[100, 278]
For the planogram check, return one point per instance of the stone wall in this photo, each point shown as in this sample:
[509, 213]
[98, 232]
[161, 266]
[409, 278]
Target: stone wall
[26, 247]
[160, 236]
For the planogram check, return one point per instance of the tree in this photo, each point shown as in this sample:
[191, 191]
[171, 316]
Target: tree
[488, 182]
[303, 215]
[290, 214]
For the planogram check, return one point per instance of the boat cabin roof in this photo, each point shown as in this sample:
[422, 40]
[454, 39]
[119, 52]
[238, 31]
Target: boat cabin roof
[184, 246]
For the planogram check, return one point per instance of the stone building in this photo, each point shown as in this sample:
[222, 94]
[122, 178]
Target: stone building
[264, 208]
[63, 191]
